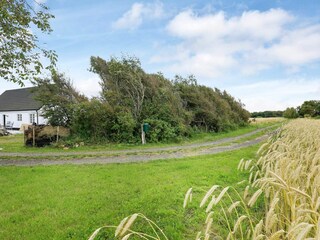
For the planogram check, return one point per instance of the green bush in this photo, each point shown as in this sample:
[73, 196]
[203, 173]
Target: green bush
[96, 120]
[160, 131]
[123, 127]
[228, 126]
[92, 120]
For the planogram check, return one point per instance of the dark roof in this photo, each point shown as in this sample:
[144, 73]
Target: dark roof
[19, 100]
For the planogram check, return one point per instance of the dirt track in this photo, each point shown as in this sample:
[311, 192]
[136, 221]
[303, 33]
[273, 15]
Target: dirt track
[124, 156]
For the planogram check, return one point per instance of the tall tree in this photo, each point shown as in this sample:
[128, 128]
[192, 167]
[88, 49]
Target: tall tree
[310, 108]
[210, 109]
[59, 98]
[121, 82]
[290, 113]
[20, 50]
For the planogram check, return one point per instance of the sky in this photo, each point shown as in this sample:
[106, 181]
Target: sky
[265, 53]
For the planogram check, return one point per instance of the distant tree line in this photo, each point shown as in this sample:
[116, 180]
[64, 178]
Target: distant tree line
[307, 109]
[129, 97]
[267, 114]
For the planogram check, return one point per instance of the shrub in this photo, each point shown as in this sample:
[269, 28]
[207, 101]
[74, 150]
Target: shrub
[92, 119]
[123, 127]
[160, 131]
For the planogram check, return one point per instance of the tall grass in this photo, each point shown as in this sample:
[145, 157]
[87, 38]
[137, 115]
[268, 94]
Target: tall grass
[282, 196]
[287, 175]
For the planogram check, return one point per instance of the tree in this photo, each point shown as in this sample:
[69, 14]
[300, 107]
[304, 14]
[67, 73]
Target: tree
[20, 51]
[161, 101]
[290, 113]
[310, 108]
[267, 114]
[121, 82]
[59, 98]
[209, 109]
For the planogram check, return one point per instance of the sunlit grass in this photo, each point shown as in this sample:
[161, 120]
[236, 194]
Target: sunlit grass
[70, 202]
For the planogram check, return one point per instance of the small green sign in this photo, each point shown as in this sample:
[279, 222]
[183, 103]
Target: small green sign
[146, 127]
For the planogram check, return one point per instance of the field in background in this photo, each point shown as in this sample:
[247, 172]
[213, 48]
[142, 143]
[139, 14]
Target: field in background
[257, 121]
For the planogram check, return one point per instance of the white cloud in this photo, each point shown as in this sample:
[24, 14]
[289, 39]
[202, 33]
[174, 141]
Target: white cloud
[252, 24]
[277, 94]
[137, 14]
[296, 47]
[89, 86]
[214, 44]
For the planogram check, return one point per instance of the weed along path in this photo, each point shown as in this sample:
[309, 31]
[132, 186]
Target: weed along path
[135, 155]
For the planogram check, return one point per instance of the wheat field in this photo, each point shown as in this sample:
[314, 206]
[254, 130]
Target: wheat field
[287, 176]
[254, 121]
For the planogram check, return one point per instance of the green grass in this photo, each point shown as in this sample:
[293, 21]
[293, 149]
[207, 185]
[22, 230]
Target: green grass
[14, 143]
[70, 202]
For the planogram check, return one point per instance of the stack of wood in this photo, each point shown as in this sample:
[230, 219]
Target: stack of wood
[3, 132]
[43, 135]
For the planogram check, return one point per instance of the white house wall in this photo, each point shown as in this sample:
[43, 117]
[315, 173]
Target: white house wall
[12, 116]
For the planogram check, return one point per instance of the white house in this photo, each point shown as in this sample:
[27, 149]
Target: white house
[18, 106]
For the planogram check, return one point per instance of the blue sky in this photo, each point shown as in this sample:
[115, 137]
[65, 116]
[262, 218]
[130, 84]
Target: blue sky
[266, 53]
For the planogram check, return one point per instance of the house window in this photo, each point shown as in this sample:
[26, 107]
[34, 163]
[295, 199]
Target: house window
[32, 118]
[19, 117]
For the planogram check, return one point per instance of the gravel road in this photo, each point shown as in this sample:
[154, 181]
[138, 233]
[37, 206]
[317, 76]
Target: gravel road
[132, 155]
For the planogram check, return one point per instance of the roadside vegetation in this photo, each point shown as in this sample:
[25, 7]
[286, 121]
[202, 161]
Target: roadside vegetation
[15, 143]
[136, 155]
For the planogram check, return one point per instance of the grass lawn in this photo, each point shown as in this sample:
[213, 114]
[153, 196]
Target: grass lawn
[70, 202]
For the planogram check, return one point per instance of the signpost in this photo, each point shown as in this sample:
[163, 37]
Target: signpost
[145, 127]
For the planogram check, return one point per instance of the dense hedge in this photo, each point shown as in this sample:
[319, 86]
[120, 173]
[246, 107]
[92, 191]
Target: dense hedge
[129, 97]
